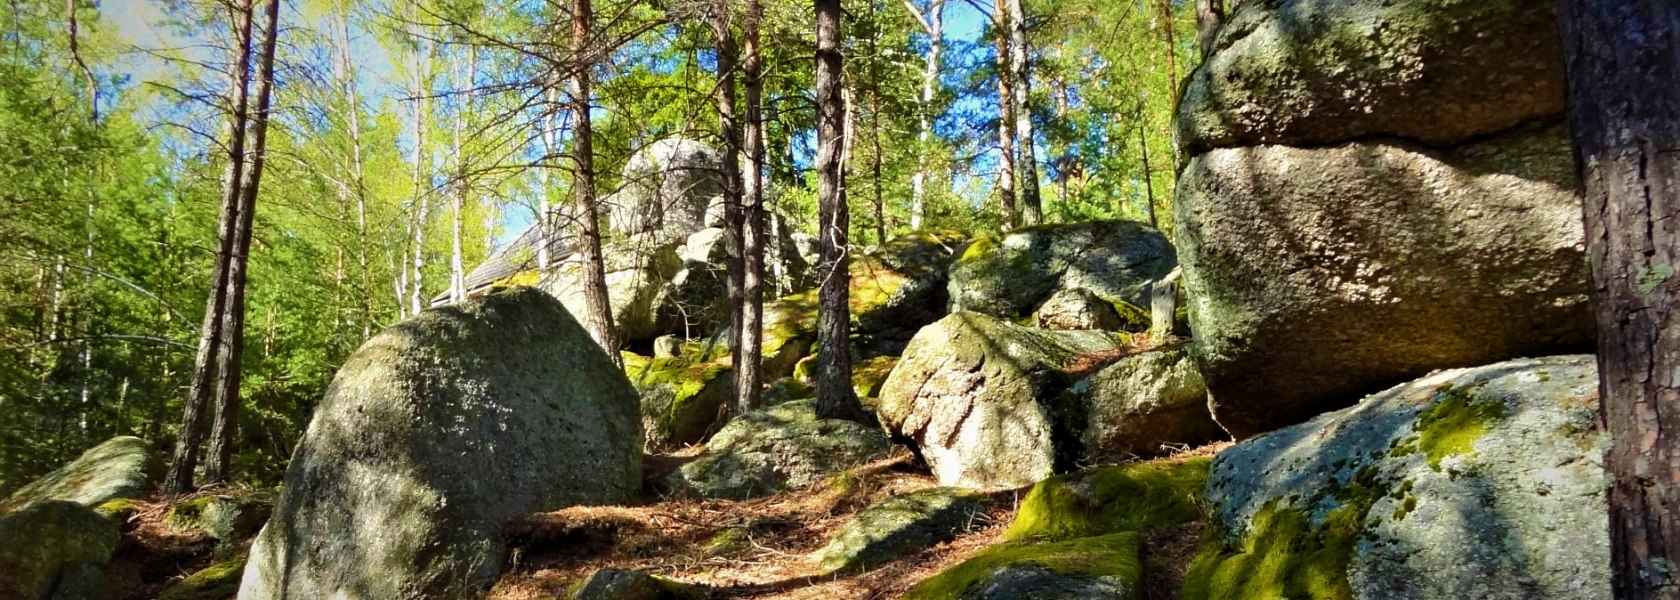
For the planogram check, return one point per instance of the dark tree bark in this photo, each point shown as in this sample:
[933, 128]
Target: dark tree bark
[748, 384]
[233, 329]
[1209, 13]
[835, 398]
[1026, 163]
[1006, 122]
[599, 318]
[179, 479]
[730, 129]
[1623, 61]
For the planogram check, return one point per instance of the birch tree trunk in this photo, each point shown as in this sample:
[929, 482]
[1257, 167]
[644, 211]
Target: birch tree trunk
[1006, 122]
[933, 23]
[1623, 60]
[1032, 211]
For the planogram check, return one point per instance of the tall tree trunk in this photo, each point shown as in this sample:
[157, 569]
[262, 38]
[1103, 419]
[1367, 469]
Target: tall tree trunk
[835, 398]
[180, 476]
[1209, 13]
[1032, 211]
[1006, 122]
[422, 92]
[1623, 59]
[874, 95]
[1167, 34]
[599, 312]
[747, 378]
[227, 414]
[358, 176]
[1148, 180]
[933, 23]
[458, 200]
[730, 129]
[545, 206]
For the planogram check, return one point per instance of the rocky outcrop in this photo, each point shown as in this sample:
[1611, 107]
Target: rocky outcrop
[1374, 190]
[776, 448]
[434, 435]
[669, 185]
[1469, 483]
[1433, 259]
[1013, 275]
[900, 524]
[1075, 309]
[55, 549]
[978, 397]
[638, 270]
[1140, 406]
[121, 467]
[624, 584]
[1307, 73]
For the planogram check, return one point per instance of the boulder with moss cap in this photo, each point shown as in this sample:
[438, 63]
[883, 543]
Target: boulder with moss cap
[1093, 568]
[776, 448]
[432, 437]
[684, 397]
[900, 524]
[1143, 405]
[55, 549]
[1470, 483]
[121, 467]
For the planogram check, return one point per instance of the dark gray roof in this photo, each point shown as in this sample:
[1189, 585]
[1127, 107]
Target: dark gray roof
[517, 256]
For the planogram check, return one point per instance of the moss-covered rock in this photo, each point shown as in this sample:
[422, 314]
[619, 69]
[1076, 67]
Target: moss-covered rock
[1093, 568]
[1308, 73]
[1470, 483]
[45, 546]
[219, 581]
[684, 398]
[433, 436]
[1011, 276]
[1133, 497]
[1141, 406]
[1427, 260]
[121, 467]
[776, 448]
[981, 398]
[900, 524]
[624, 584]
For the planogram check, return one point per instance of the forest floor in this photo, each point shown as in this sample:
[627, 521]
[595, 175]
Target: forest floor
[759, 548]
[764, 548]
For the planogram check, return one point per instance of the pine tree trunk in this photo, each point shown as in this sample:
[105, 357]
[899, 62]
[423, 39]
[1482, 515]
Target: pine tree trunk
[835, 398]
[599, 311]
[227, 414]
[730, 129]
[1006, 122]
[748, 384]
[1032, 211]
[179, 479]
[1623, 61]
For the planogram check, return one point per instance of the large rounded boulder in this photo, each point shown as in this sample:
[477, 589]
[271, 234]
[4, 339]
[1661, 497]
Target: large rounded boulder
[1317, 275]
[1372, 191]
[1014, 275]
[637, 271]
[1470, 483]
[979, 398]
[776, 448]
[434, 435]
[121, 467]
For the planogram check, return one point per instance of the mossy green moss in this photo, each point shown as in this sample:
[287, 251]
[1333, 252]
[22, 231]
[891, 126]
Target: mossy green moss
[186, 515]
[119, 509]
[1113, 555]
[1132, 318]
[728, 542]
[697, 388]
[218, 581]
[869, 374]
[1452, 424]
[1285, 554]
[1134, 497]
